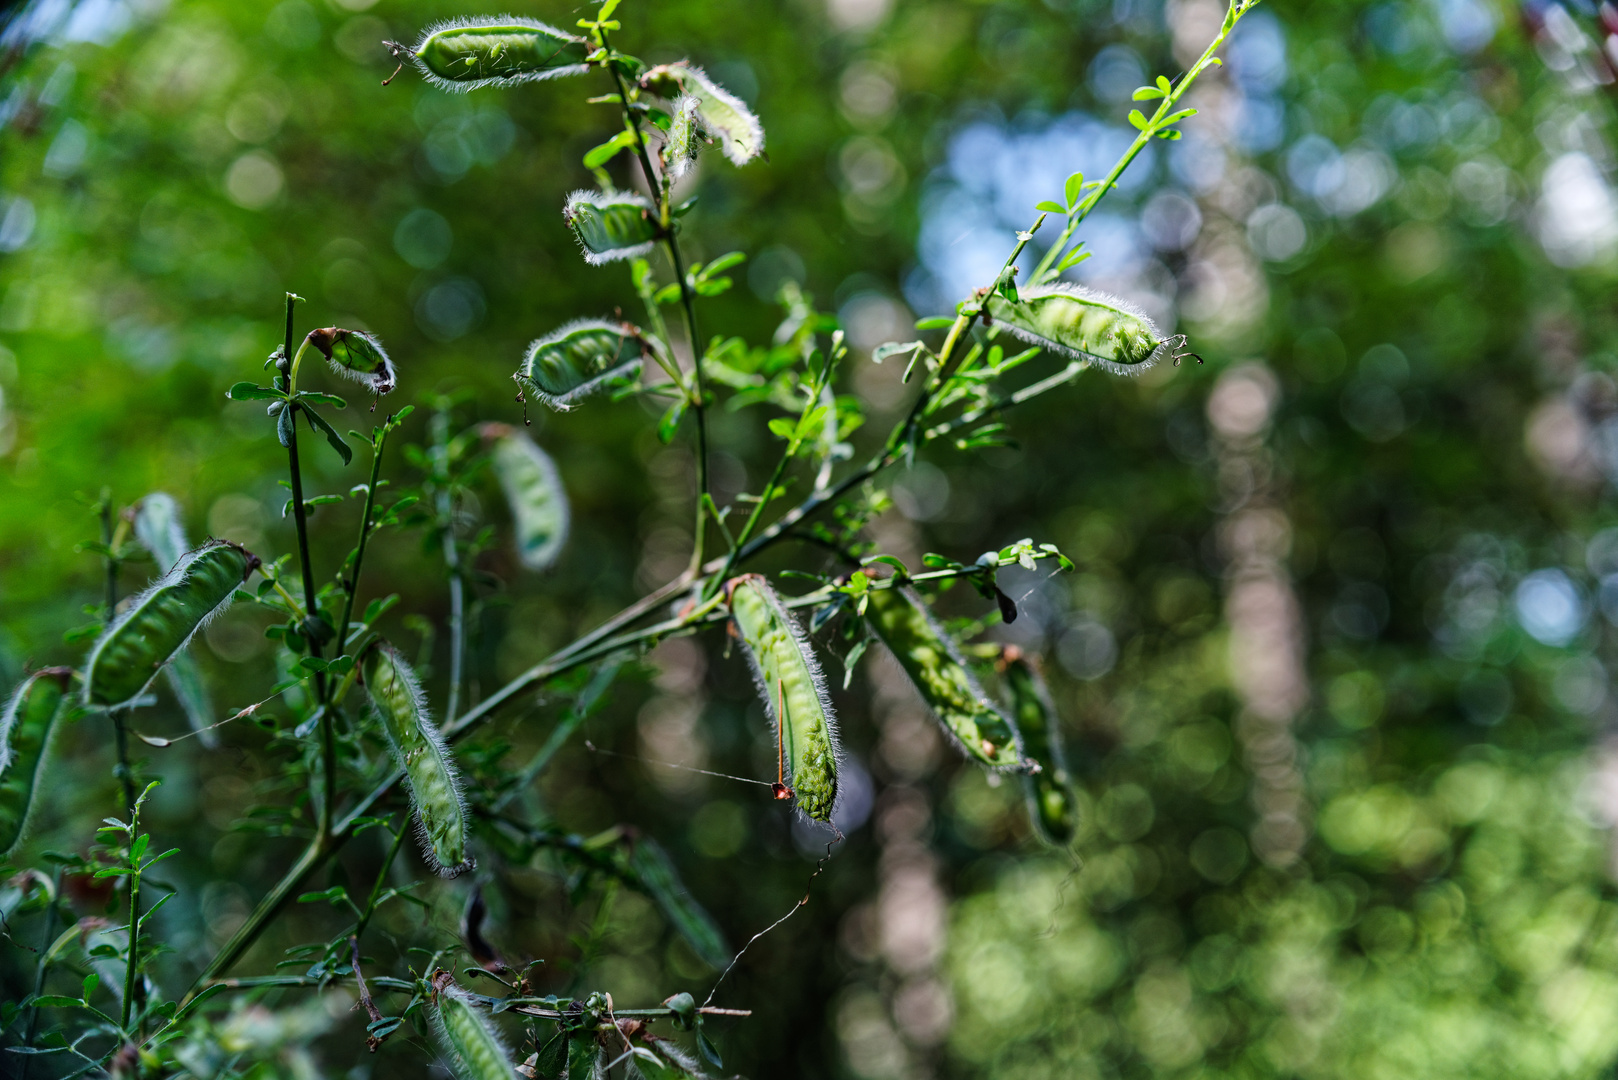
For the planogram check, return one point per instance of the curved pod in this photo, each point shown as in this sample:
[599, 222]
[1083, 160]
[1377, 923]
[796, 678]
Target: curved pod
[159, 623]
[1081, 324]
[467, 1039]
[464, 54]
[533, 489]
[790, 681]
[1051, 803]
[419, 749]
[576, 360]
[26, 728]
[974, 722]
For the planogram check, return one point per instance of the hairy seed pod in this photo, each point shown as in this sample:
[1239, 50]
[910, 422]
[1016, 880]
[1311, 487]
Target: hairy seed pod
[419, 749]
[582, 357]
[653, 873]
[467, 1040]
[159, 622]
[25, 737]
[1082, 324]
[1051, 803]
[790, 681]
[660, 1059]
[610, 227]
[684, 139]
[158, 528]
[356, 355]
[974, 722]
[534, 492]
[721, 113]
[501, 50]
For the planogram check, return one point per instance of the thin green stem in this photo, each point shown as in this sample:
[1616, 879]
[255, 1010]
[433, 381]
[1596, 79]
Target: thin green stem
[39, 973]
[671, 242]
[132, 964]
[110, 538]
[353, 583]
[444, 506]
[381, 877]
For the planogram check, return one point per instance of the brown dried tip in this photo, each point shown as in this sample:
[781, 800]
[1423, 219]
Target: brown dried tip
[781, 791]
[441, 980]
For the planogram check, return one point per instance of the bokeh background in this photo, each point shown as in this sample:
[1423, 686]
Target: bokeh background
[1333, 665]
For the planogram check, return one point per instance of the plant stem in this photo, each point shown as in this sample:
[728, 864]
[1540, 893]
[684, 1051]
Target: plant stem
[381, 876]
[39, 974]
[132, 965]
[444, 506]
[268, 908]
[328, 748]
[671, 241]
[377, 447]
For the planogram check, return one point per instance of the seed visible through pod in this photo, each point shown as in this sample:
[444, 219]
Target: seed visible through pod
[904, 623]
[160, 621]
[419, 749]
[794, 693]
[610, 227]
[356, 355]
[533, 490]
[1083, 324]
[575, 361]
[26, 728]
[466, 53]
[720, 112]
[160, 532]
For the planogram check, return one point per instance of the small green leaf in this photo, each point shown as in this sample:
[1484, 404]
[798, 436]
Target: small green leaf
[56, 1001]
[709, 1050]
[608, 150]
[1072, 258]
[1147, 93]
[935, 322]
[1073, 189]
[671, 421]
[1051, 207]
[336, 440]
[1138, 119]
[782, 428]
[246, 391]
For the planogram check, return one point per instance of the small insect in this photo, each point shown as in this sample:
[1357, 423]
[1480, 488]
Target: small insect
[806, 726]
[356, 355]
[684, 139]
[611, 227]
[904, 623]
[719, 112]
[1052, 805]
[26, 728]
[158, 528]
[1083, 324]
[463, 54]
[533, 489]
[159, 623]
[468, 1041]
[580, 358]
[419, 749]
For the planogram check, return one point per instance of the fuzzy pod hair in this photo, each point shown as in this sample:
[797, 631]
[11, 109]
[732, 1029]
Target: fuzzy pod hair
[356, 355]
[464, 54]
[786, 671]
[470, 1045]
[159, 531]
[160, 622]
[1052, 804]
[1082, 324]
[534, 492]
[684, 141]
[610, 227]
[26, 729]
[720, 113]
[578, 359]
[924, 649]
[419, 749]
[661, 1059]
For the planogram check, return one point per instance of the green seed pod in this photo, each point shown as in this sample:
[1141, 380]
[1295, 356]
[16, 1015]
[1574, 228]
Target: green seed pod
[159, 622]
[721, 113]
[1081, 324]
[356, 355]
[25, 738]
[789, 680]
[660, 1059]
[158, 528]
[653, 873]
[684, 139]
[533, 491]
[468, 1041]
[974, 722]
[580, 358]
[1051, 803]
[419, 749]
[504, 50]
[610, 227]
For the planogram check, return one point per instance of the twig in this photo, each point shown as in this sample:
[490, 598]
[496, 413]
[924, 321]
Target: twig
[371, 1041]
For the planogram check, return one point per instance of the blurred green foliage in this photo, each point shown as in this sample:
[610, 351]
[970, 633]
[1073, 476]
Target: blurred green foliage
[1407, 221]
